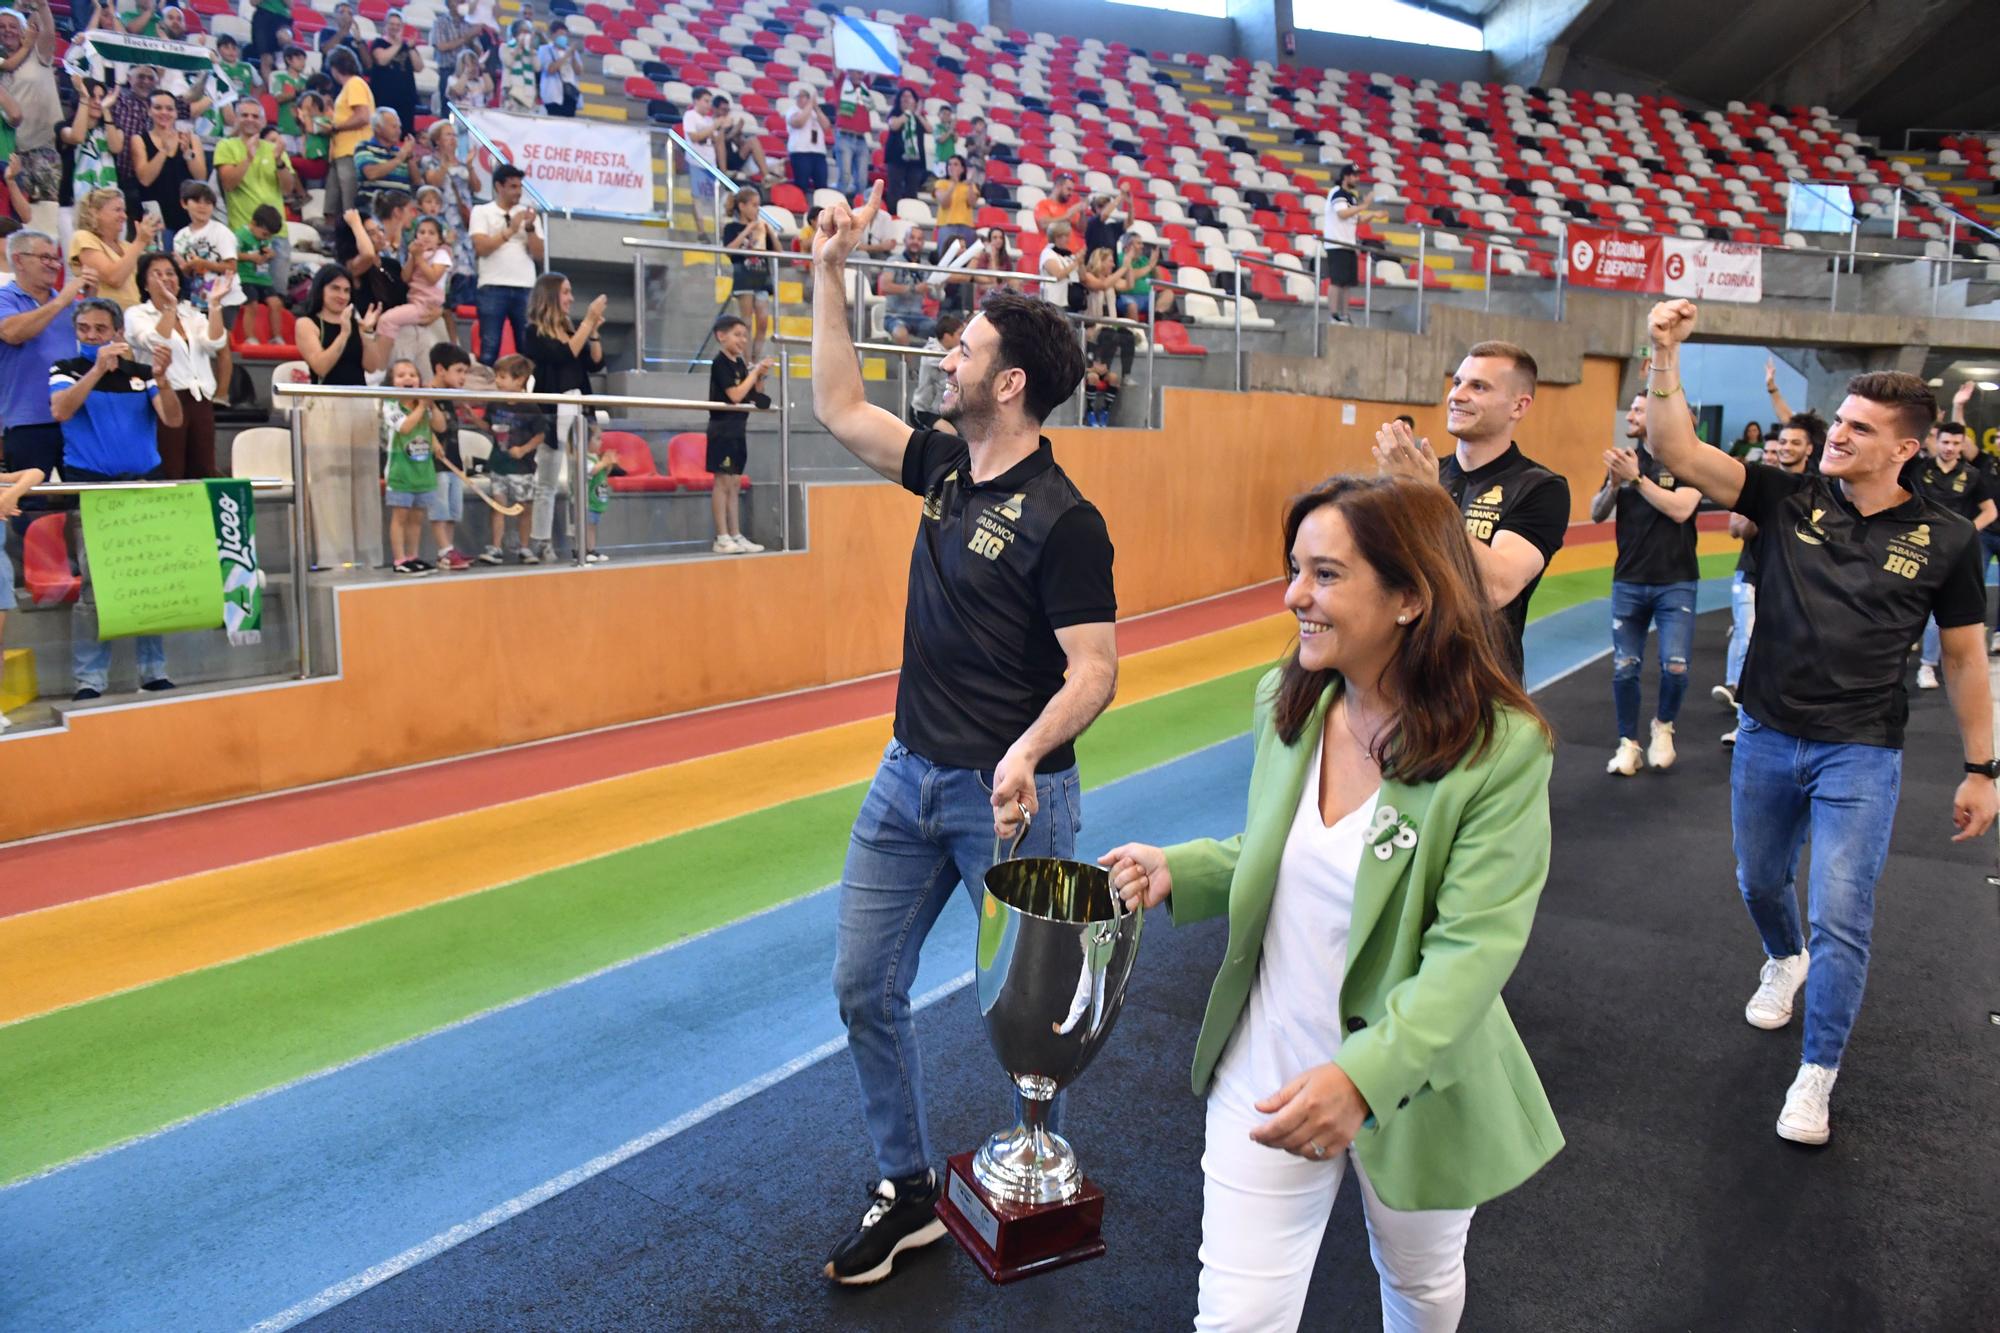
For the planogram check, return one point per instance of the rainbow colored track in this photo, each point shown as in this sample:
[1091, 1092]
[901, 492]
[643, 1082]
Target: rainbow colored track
[260, 1056]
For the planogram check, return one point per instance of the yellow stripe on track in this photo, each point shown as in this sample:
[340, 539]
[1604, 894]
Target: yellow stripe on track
[1604, 554]
[80, 951]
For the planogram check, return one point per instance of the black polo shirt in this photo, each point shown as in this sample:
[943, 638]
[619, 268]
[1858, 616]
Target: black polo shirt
[1652, 548]
[997, 568]
[1513, 493]
[1840, 599]
[1961, 490]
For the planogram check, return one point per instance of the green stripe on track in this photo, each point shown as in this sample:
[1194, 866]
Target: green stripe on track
[84, 1078]
[1559, 592]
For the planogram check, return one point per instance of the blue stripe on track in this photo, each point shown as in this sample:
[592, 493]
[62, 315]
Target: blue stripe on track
[238, 1215]
[335, 1183]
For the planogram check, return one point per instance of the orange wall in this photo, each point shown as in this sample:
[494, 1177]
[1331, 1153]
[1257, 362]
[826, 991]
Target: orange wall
[453, 666]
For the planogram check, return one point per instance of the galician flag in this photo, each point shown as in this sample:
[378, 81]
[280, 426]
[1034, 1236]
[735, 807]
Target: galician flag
[866, 47]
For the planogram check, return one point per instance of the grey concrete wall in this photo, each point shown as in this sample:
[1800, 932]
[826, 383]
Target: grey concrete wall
[1407, 367]
[1323, 49]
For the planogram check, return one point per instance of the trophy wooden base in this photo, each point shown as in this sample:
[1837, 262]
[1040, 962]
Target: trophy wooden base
[1010, 1241]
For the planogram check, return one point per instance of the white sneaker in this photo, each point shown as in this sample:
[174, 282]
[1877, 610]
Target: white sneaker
[1729, 736]
[4, 723]
[1724, 695]
[1927, 677]
[1994, 646]
[1660, 754]
[1805, 1118]
[1777, 986]
[724, 545]
[744, 546]
[1629, 759]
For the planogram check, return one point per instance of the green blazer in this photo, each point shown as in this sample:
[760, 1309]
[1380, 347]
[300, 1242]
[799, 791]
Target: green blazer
[1458, 1115]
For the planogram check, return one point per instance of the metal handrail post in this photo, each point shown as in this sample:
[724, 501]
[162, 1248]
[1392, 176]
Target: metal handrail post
[301, 560]
[1423, 243]
[1082, 395]
[1562, 271]
[1489, 277]
[579, 484]
[639, 310]
[903, 385]
[1319, 332]
[1152, 359]
[784, 446]
[1833, 290]
[860, 303]
[1896, 216]
[670, 182]
[1367, 289]
[1236, 308]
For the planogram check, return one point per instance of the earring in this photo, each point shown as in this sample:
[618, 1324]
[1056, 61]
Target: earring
[1402, 620]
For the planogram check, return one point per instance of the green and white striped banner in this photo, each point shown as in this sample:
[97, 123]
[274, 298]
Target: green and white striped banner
[117, 48]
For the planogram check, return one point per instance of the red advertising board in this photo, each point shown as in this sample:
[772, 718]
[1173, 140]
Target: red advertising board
[1618, 261]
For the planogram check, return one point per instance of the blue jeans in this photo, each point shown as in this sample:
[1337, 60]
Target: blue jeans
[1780, 789]
[1932, 651]
[851, 154]
[1635, 607]
[497, 304]
[90, 656]
[1742, 623]
[923, 831]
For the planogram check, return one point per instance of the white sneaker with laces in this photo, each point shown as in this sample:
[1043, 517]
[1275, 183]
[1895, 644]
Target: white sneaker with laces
[724, 545]
[1729, 736]
[1806, 1118]
[1724, 695]
[1777, 987]
[1629, 759]
[1927, 677]
[744, 546]
[1994, 646]
[1660, 754]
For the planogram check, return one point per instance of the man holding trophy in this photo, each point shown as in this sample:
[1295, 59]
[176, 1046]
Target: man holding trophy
[1009, 652]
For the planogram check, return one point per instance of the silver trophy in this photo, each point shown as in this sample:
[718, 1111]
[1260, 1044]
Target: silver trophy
[1056, 948]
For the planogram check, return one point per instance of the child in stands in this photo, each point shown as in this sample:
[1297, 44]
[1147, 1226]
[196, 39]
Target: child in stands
[732, 379]
[409, 428]
[519, 429]
[930, 375]
[603, 467]
[13, 485]
[428, 267]
[253, 264]
[449, 362]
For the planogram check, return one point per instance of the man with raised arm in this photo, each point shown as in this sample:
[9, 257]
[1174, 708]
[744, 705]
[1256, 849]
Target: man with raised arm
[1516, 511]
[1008, 654]
[1850, 564]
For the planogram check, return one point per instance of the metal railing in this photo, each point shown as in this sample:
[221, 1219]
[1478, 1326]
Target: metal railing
[576, 447]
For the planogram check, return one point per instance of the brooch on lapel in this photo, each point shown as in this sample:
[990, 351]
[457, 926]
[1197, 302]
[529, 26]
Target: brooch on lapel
[1390, 831]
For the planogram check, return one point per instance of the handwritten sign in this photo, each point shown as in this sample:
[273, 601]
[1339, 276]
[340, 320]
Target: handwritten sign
[151, 554]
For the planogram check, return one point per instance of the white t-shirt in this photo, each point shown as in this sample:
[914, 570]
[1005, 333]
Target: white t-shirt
[510, 265]
[213, 242]
[1056, 293]
[693, 123]
[1292, 1022]
[811, 139]
[1335, 228]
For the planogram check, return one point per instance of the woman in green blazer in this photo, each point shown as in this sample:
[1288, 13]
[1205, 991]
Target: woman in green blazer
[1378, 899]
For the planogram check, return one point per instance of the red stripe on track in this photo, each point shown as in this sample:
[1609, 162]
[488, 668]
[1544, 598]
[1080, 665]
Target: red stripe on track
[94, 862]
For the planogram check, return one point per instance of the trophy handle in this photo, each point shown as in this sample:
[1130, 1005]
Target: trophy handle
[1026, 819]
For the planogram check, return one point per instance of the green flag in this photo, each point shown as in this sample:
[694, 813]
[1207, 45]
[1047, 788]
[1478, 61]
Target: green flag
[235, 516]
[116, 48]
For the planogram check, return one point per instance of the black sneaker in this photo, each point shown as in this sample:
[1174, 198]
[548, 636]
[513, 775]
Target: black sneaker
[901, 1216]
[157, 684]
[85, 695]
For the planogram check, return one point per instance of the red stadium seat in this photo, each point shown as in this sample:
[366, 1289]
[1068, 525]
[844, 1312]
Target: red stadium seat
[1173, 340]
[254, 339]
[635, 457]
[687, 461]
[45, 562]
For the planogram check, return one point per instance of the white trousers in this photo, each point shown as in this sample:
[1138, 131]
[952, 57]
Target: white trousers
[1263, 1212]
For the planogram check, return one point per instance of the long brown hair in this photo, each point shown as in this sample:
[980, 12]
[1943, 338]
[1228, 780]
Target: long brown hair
[545, 312]
[1446, 675]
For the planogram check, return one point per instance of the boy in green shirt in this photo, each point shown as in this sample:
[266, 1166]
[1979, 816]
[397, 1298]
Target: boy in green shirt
[254, 254]
[286, 85]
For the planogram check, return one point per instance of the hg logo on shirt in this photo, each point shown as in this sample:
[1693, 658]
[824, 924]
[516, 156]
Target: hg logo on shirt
[1810, 532]
[1908, 555]
[1481, 515]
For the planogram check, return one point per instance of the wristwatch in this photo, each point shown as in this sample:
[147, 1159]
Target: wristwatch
[1989, 769]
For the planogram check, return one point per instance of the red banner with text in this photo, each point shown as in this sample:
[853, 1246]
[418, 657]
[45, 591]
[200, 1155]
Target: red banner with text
[1629, 261]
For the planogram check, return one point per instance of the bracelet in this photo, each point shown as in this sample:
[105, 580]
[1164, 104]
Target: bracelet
[1657, 393]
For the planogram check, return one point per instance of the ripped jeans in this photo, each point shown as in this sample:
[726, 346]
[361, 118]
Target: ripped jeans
[1635, 607]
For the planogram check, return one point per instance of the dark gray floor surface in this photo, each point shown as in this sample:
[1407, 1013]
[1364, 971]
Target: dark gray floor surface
[1674, 1207]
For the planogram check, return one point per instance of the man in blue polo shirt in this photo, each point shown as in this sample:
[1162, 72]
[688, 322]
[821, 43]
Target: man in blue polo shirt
[108, 406]
[34, 333]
